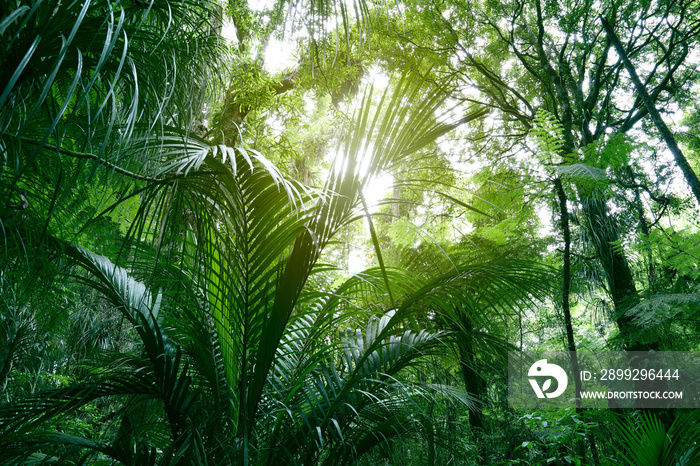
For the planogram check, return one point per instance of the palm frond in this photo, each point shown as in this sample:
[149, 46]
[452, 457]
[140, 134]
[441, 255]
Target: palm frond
[330, 401]
[648, 442]
[583, 172]
[658, 309]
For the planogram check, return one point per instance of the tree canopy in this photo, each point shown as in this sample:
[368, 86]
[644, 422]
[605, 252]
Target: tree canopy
[212, 253]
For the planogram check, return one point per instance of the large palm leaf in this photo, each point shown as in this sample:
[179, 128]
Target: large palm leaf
[161, 373]
[81, 82]
[648, 442]
[233, 247]
[258, 238]
[337, 405]
[332, 410]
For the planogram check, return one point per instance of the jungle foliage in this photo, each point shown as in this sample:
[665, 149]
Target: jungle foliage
[198, 264]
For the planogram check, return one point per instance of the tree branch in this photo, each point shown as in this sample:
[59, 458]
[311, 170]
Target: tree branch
[690, 176]
[89, 156]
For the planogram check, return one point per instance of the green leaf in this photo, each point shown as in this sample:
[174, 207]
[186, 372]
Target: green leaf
[582, 172]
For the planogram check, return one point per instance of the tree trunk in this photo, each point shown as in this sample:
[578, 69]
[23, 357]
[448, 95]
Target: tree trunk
[566, 285]
[690, 177]
[472, 380]
[430, 432]
[618, 274]
[644, 231]
[566, 309]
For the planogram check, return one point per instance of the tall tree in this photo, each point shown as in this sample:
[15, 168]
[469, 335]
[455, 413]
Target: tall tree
[521, 56]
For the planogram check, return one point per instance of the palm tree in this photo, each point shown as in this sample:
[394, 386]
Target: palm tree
[239, 359]
[236, 347]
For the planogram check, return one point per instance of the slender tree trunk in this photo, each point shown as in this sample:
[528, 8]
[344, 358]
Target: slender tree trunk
[472, 380]
[566, 309]
[566, 285]
[431, 434]
[690, 177]
[644, 230]
[472, 385]
[451, 425]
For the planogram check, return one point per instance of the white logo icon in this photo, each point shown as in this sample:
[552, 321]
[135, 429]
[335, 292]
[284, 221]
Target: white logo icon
[542, 369]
